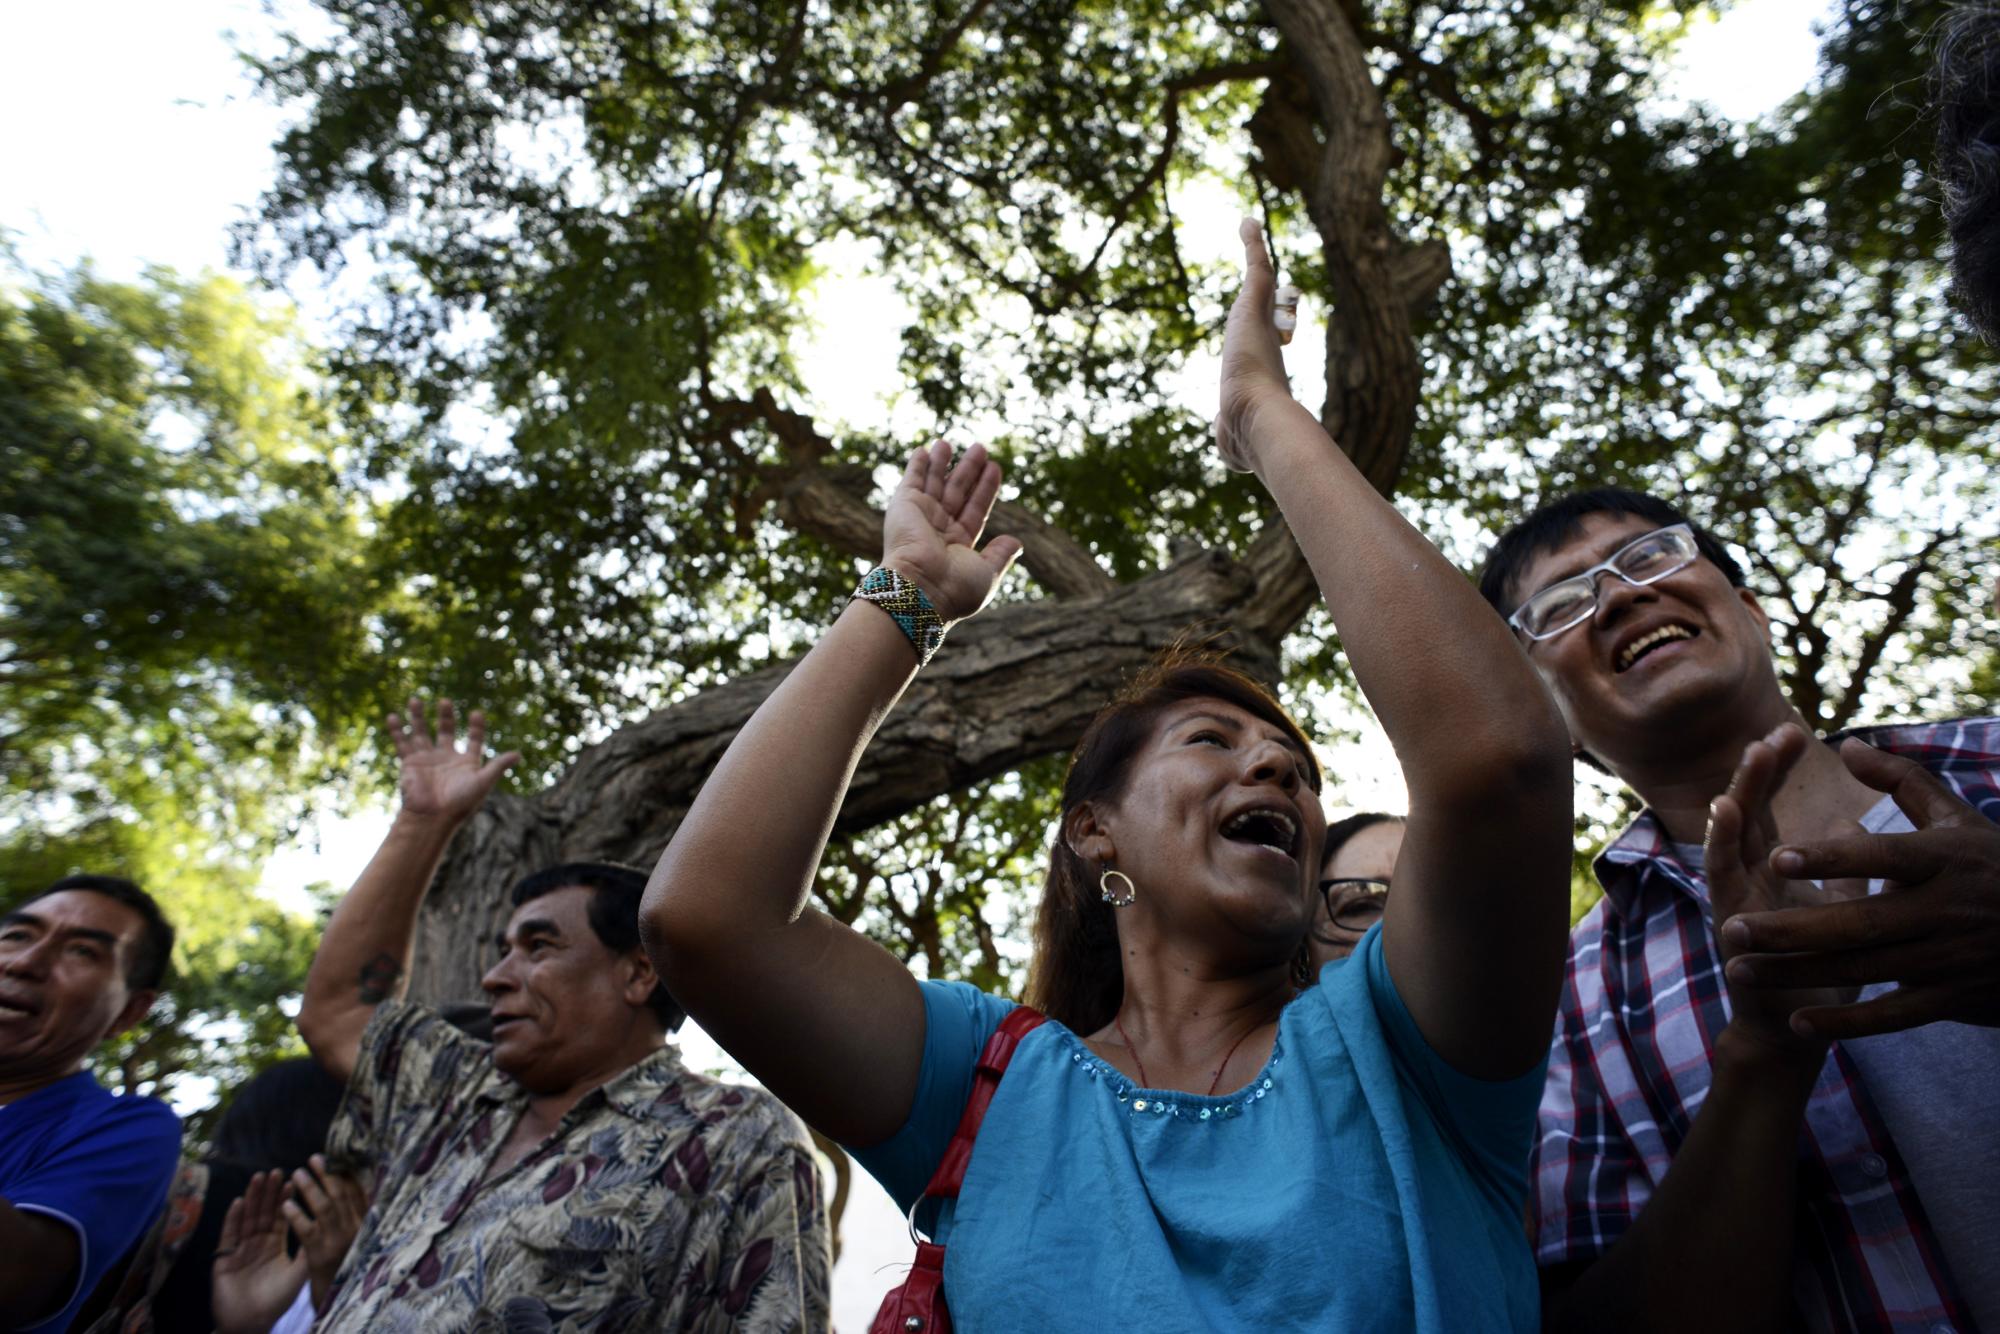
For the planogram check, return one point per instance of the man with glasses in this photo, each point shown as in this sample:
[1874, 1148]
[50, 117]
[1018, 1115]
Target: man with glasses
[1771, 1089]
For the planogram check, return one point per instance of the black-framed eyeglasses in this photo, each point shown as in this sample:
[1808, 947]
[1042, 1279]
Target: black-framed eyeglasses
[1646, 559]
[1354, 905]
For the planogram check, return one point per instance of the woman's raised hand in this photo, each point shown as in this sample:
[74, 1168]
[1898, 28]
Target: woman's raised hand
[1253, 366]
[931, 528]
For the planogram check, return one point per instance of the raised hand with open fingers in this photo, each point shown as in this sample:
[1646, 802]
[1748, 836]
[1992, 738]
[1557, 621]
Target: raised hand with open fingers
[252, 1280]
[1934, 929]
[1253, 364]
[1742, 880]
[438, 778]
[931, 528]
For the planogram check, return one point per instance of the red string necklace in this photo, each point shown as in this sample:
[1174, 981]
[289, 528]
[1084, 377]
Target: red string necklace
[1147, 1083]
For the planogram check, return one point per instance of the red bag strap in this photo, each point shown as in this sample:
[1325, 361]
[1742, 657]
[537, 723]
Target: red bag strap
[993, 1061]
[917, 1305]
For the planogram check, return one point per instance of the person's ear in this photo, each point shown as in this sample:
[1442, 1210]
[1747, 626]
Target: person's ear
[137, 1006]
[1755, 607]
[640, 979]
[1087, 832]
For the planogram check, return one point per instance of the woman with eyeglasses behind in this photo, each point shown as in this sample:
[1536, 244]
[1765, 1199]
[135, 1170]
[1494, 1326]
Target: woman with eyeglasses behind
[1355, 871]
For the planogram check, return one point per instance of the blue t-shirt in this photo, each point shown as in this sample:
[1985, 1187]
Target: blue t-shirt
[98, 1162]
[1357, 1183]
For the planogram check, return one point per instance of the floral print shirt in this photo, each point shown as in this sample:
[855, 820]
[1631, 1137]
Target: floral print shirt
[664, 1201]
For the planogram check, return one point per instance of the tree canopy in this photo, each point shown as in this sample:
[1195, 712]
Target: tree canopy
[595, 221]
[565, 464]
[187, 629]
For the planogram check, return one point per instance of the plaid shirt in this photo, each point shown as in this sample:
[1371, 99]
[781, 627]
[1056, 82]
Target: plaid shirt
[1642, 1005]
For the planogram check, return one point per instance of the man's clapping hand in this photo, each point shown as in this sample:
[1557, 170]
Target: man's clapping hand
[1742, 880]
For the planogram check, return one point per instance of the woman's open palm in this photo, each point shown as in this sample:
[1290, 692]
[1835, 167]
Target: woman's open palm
[931, 528]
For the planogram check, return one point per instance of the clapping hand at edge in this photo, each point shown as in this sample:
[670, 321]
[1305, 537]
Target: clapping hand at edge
[326, 1209]
[1934, 929]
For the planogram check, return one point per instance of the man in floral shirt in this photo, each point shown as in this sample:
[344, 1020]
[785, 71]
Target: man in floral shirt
[572, 1174]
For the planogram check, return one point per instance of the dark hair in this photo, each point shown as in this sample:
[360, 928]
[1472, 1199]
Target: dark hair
[1965, 87]
[615, 893]
[279, 1118]
[1077, 976]
[1562, 519]
[146, 966]
[1340, 831]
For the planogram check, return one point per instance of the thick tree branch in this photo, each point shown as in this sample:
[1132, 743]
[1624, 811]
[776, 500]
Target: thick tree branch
[1286, 590]
[1059, 563]
[1378, 280]
[1902, 604]
[830, 502]
[1011, 686]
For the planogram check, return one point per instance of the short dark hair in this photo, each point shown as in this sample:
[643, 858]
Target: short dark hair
[615, 895]
[278, 1118]
[1561, 519]
[146, 967]
[1340, 831]
[1965, 88]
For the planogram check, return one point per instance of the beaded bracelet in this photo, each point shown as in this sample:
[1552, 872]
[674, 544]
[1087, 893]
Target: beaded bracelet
[905, 602]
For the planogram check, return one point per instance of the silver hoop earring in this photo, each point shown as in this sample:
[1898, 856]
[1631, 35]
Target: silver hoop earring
[1105, 892]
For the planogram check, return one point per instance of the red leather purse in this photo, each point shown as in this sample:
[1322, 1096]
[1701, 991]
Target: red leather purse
[916, 1305]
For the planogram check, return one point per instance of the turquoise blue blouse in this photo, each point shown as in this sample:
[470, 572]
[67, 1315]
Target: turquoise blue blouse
[1357, 1183]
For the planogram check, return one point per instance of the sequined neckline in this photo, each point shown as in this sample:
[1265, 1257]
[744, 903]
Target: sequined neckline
[1145, 1102]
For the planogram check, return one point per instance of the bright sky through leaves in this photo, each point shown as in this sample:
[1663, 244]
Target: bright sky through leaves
[146, 153]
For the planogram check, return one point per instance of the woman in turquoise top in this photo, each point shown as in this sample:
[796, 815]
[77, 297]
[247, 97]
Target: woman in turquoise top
[1195, 1142]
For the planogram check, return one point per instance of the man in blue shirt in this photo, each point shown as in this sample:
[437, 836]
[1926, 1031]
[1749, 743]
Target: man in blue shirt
[82, 1173]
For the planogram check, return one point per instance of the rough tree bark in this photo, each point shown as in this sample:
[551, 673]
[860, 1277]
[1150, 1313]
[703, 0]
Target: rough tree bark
[1021, 681]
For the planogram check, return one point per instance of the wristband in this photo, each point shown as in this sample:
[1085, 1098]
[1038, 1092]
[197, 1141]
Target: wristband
[906, 604]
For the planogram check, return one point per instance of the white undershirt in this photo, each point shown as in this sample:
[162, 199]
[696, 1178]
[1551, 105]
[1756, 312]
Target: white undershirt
[299, 1316]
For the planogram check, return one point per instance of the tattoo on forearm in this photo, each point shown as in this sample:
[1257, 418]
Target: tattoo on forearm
[378, 979]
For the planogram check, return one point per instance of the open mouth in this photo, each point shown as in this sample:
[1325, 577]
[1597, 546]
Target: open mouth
[1265, 827]
[1654, 639]
[9, 1008]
